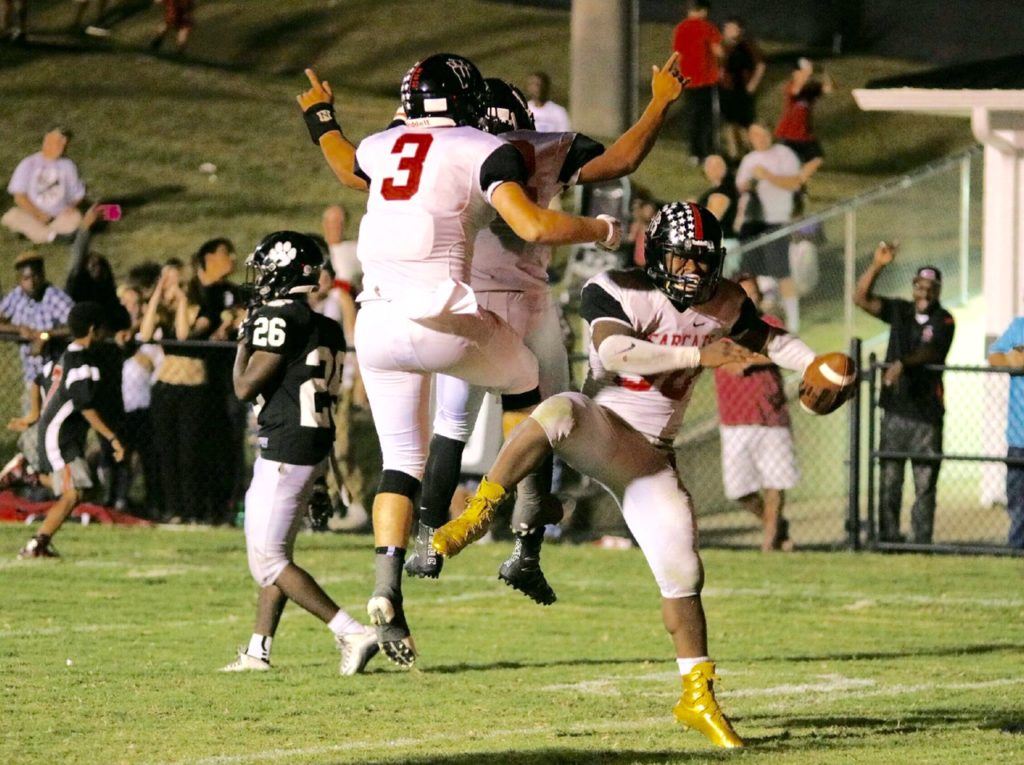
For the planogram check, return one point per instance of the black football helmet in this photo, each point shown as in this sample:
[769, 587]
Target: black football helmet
[284, 263]
[506, 108]
[689, 231]
[444, 87]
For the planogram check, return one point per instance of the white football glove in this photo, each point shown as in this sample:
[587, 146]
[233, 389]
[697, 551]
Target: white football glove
[614, 238]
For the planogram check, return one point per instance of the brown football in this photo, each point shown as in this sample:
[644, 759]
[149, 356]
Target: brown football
[827, 383]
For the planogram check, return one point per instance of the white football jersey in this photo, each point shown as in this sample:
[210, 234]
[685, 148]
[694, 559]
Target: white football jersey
[429, 196]
[502, 261]
[653, 404]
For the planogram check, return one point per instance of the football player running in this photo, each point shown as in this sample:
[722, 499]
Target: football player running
[289, 362]
[653, 330]
[433, 183]
[510, 277]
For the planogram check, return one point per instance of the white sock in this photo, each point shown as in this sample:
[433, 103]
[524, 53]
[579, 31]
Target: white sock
[686, 665]
[792, 306]
[343, 624]
[259, 646]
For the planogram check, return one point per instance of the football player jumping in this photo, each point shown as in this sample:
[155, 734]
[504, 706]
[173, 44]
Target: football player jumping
[289, 362]
[433, 183]
[510, 277]
[653, 330]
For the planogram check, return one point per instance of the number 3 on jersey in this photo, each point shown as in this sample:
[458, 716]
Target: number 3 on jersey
[318, 394]
[411, 164]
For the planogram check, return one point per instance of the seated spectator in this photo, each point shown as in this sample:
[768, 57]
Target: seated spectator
[47, 191]
[38, 312]
[758, 458]
[548, 116]
[84, 399]
[742, 70]
[722, 199]
[796, 126]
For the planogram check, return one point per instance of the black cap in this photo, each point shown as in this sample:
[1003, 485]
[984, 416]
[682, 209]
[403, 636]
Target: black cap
[930, 273]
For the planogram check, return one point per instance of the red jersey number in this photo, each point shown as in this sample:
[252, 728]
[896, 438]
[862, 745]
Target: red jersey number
[410, 164]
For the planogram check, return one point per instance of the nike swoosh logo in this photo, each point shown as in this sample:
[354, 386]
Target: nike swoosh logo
[631, 347]
[701, 324]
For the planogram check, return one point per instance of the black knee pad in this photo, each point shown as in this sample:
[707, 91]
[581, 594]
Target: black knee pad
[397, 482]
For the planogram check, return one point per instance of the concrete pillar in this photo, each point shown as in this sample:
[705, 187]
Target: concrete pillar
[602, 68]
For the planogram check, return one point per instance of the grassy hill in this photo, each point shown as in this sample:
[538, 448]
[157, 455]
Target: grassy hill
[144, 123]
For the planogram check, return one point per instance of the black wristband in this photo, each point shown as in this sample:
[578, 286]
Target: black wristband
[320, 119]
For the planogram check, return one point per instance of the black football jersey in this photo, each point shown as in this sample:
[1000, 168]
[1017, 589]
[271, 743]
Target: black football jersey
[295, 411]
[77, 383]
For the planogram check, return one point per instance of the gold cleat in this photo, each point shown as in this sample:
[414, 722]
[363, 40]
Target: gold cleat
[698, 708]
[461, 532]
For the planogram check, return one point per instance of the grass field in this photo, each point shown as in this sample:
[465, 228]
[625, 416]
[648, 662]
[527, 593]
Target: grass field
[108, 656]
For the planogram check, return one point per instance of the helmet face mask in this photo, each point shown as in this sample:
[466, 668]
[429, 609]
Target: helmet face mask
[507, 108]
[284, 264]
[681, 232]
[444, 90]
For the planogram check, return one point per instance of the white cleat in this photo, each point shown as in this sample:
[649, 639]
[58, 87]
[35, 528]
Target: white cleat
[246, 663]
[357, 648]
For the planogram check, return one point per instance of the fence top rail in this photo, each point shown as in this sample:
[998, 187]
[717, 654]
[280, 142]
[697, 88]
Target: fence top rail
[874, 364]
[172, 343]
[882, 190]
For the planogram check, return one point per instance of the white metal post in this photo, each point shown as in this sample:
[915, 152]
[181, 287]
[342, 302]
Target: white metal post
[965, 228]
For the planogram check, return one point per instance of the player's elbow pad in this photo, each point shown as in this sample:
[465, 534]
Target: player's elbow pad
[625, 353]
[790, 352]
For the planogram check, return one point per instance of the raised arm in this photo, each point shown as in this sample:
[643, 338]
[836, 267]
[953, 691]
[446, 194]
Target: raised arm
[625, 155]
[864, 296]
[317, 106]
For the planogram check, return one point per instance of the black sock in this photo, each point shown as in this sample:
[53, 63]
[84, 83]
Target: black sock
[444, 462]
[388, 567]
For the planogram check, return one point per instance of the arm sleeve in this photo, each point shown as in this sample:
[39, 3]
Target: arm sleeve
[62, 304]
[19, 180]
[745, 172]
[789, 351]
[81, 383]
[503, 164]
[76, 188]
[890, 309]
[623, 353]
[79, 247]
[7, 304]
[581, 151]
[597, 304]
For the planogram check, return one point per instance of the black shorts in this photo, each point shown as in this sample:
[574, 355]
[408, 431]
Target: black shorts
[805, 150]
[737, 107]
[771, 259]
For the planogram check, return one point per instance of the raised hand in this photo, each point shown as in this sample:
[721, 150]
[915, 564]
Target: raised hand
[318, 93]
[885, 252]
[666, 82]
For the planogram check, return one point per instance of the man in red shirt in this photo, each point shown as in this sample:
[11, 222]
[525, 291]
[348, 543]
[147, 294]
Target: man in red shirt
[758, 459]
[796, 127]
[699, 44]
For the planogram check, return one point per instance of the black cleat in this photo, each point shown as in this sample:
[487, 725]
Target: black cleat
[425, 562]
[393, 635]
[522, 570]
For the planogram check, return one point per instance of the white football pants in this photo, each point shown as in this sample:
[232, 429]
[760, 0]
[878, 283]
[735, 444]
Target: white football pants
[397, 356]
[534, 317]
[274, 506]
[642, 478]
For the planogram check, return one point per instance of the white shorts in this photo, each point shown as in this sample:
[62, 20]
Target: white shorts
[72, 475]
[756, 457]
[534, 317]
[397, 356]
[274, 507]
[642, 478]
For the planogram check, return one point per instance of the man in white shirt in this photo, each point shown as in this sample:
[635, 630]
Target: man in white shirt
[548, 116]
[771, 174]
[46, 190]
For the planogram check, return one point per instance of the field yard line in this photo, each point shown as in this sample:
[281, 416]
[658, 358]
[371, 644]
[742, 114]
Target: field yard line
[438, 738]
[606, 686]
[841, 684]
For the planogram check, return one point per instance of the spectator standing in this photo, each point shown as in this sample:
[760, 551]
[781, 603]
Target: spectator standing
[90, 277]
[38, 312]
[95, 30]
[1008, 351]
[742, 71]
[758, 458]
[14, 20]
[47, 191]
[770, 175]
[722, 199]
[699, 45]
[912, 400]
[548, 116]
[179, 16]
[796, 126]
[178, 400]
